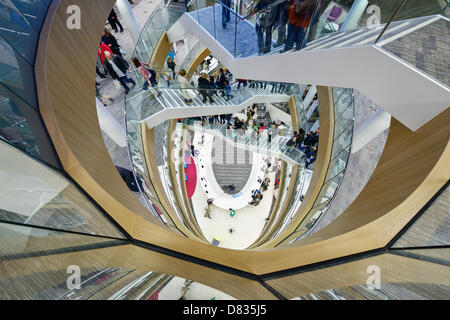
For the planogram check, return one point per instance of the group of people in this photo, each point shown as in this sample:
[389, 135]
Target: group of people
[208, 86]
[308, 144]
[291, 18]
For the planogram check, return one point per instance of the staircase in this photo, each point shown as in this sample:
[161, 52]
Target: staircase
[149, 107]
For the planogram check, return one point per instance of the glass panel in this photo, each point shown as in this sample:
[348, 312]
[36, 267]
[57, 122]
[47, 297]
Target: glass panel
[344, 101]
[433, 226]
[21, 125]
[328, 189]
[311, 218]
[420, 8]
[16, 74]
[363, 23]
[31, 193]
[422, 279]
[343, 123]
[15, 29]
[33, 10]
[343, 140]
[23, 242]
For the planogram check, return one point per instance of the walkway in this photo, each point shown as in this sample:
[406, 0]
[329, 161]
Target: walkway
[153, 109]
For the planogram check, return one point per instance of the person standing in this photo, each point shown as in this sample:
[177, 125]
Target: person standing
[269, 134]
[188, 95]
[228, 95]
[114, 21]
[221, 81]
[171, 64]
[300, 12]
[212, 85]
[101, 96]
[117, 67]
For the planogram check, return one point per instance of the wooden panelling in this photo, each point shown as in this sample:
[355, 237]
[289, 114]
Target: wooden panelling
[160, 53]
[326, 111]
[173, 177]
[196, 62]
[129, 257]
[294, 114]
[148, 141]
[413, 166]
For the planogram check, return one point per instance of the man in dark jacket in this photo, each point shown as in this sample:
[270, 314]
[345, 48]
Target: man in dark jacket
[203, 83]
[114, 22]
[117, 67]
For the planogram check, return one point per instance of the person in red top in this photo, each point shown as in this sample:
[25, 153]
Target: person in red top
[101, 52]
[300, 12]
[101, 56]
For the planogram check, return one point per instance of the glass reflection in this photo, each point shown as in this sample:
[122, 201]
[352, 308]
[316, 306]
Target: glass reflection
[31, 193]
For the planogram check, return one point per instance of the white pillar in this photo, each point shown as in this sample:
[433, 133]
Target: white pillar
[309, 98]
[315, 126]
[110, 126]
[373, 126]
[129, 19]
[355, 13]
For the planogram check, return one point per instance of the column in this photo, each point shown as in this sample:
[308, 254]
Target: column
[376, 124]
[128, 19]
